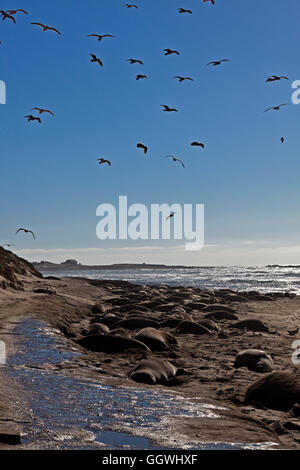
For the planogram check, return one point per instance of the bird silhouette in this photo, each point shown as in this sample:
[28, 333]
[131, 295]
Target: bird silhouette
[171, 215]
[170, 51]
[41, 111]
[183, 10]
[197, 144]
[101, 36]
[142, 146]
[102, 160]
[95, 59]
[218, 62]
[25, 230]
[276, 108]
[275, 78]
[181, 79]
[175, 159]
[130, 5]
[33, 118]
[211, 1]
[168, 109]
[138, 77]
[7, 15]
[14, 12]
[282, 140]
[135, 61]
[47, 28]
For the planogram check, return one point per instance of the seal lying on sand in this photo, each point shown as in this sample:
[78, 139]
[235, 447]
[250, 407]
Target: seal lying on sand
[278, 391]
[251, 325]
[153, 371]
[156, 340]
[255, 359]
[111, 344]
[192, 328]
[96, 329]
[134, 323]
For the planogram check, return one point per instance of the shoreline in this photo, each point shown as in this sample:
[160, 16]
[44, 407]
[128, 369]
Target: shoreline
[69, 304]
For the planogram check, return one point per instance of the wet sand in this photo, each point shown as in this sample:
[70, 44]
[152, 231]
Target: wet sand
[68, 304]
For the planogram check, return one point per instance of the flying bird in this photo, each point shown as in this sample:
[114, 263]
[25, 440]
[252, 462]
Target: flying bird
[181, 79]
[95, 59]
[211, 1]
[183, 10]
[101, 36]
[197, 144]
[41, 111]
[7, 15]
[135, 61]
[26, 231]
[276, 108]
[171, 215]
[138, 77]
[102, 160]
[14, 12]
[47, 28]
[176, 159]
[275, 78]
[130, 5]
[168, 109]
[33, 118]
[218, 62]
[282, 140]
[170, 51]
[142, 146]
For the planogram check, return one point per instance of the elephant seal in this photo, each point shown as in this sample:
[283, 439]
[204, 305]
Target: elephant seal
[192, 328]
[109, 319]
[96, 329]
[156, 340]
[111, 344]
[217, 307]
[251, 325]
[208, 323]
[135, 323]
[255, 359]
[153, 371]
[278, 391]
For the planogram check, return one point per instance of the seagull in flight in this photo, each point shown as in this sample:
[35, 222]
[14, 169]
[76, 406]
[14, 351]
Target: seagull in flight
[275, 78]
[7, 15]
[181, 79]
[26, 231]
[176, 159]
[168, 109]
[282, 140]
[197, 144]
[135, 61]
[41, 111]
[211, 1]
[95, 59]
[14, 12]
[138, 77]
[183, 10]
[101, 36]
[47, 28]
[142, 146]
[170, 51]
[171, 215]
[102, 160]
[33, 118]
[276, 108]
[218, 62]
[130, 5]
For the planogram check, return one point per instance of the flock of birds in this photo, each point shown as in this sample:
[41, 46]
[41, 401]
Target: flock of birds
[10, 15]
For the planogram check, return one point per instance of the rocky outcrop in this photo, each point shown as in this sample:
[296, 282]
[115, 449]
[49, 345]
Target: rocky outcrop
[12, 268]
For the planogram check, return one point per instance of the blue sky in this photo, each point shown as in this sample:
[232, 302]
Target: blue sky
[248, 180]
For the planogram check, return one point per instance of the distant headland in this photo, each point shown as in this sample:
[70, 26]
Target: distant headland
[73, 265]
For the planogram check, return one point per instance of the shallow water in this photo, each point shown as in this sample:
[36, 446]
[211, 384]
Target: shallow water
[70, 413]
[237, 278]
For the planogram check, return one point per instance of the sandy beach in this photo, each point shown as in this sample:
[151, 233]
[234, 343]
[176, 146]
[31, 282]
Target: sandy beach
[74, 305]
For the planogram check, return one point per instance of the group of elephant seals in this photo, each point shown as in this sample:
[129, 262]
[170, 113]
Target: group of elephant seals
[134, 323]
[154, 371]
[255, 360]
[278, 391]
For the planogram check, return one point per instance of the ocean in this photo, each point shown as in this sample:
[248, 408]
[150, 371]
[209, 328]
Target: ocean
[237, 278]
